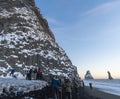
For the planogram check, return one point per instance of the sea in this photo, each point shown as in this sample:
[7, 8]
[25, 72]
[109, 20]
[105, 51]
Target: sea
[105, 85]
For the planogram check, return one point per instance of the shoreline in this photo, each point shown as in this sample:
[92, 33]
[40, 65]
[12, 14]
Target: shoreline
[100, 94]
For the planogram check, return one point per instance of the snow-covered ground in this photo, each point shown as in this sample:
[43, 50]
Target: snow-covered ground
[105, 85]
[22, 84]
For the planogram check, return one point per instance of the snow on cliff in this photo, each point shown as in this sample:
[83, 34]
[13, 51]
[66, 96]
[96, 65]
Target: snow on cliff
[27, 42]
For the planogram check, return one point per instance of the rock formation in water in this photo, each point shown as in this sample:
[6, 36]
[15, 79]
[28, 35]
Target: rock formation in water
[109, 75]
[27, 41]
[88, 75]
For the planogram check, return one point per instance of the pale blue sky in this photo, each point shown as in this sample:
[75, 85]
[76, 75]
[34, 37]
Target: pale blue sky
[88, 31]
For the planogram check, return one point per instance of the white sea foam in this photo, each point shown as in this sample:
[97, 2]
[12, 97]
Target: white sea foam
[105, 85]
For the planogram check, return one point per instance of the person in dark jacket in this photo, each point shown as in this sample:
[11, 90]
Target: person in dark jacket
[30, 73]
[90, 84]
[12, 72]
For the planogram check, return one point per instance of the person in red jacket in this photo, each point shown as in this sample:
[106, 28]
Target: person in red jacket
[39, 74]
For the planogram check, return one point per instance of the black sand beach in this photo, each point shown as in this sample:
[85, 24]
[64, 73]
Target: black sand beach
[99, 94]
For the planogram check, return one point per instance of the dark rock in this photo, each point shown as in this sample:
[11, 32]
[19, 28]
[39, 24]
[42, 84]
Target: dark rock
[109, 75]
[27, 40]
[88, 75]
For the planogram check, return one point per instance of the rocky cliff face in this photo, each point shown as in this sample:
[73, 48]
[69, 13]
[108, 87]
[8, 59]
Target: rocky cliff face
[27, 41]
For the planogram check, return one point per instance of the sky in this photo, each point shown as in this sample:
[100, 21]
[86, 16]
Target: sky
[88, 31]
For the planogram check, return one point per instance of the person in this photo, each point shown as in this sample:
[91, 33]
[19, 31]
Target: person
[82, 84]
[90, 84]
[68, 88]
[28, 72]
[39, 74]
[81, 89]
[55, 85]
[12, 72]
[35, 74]
[61, 89]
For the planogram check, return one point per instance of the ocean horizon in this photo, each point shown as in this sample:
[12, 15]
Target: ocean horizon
[105, 85]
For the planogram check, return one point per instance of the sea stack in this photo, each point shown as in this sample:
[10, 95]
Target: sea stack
[109, 75]
[88, 75]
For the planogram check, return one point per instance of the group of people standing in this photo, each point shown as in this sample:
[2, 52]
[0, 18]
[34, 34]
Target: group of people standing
[61, 87]
[65, 88]
[35, 74]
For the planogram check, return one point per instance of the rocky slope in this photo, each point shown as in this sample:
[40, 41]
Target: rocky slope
[27, 41]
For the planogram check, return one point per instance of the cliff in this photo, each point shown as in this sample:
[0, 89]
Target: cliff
[26, 40]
